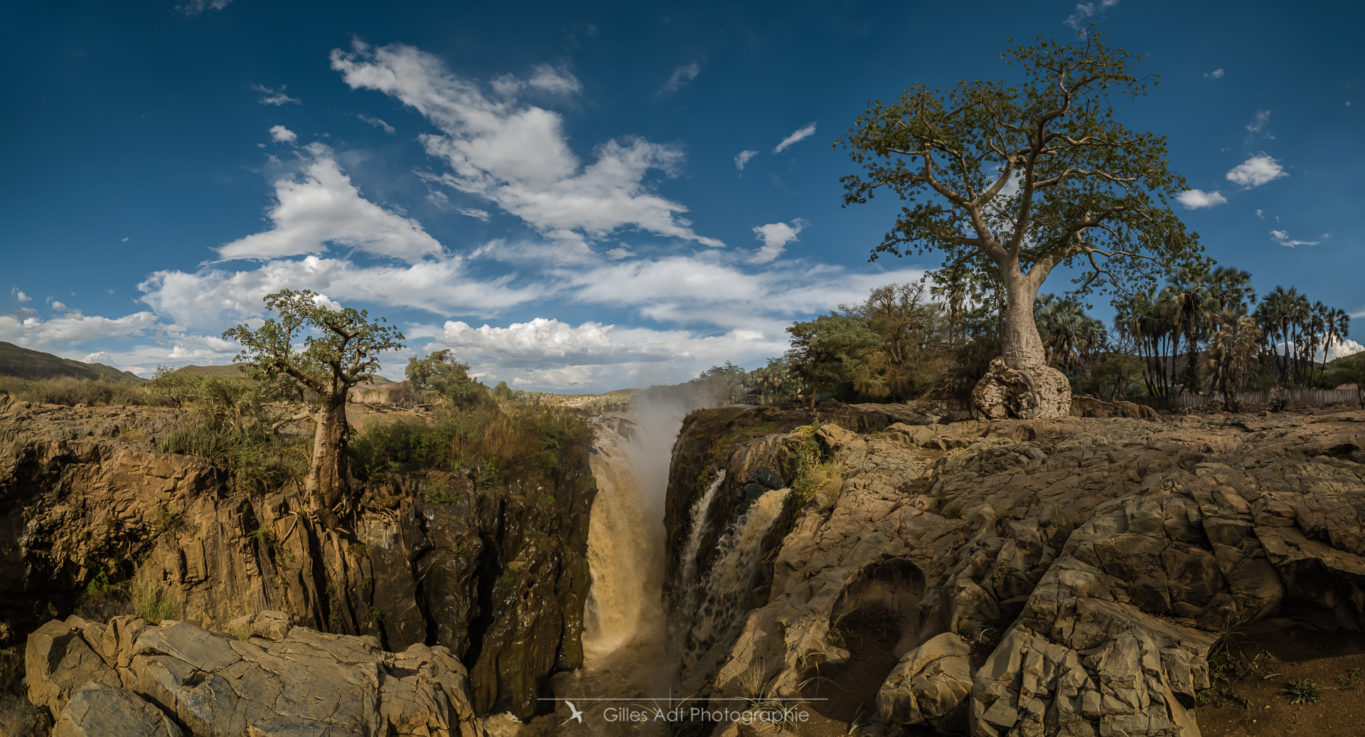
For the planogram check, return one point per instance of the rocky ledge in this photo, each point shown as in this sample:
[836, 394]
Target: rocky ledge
[132, 679]
[1031, 578]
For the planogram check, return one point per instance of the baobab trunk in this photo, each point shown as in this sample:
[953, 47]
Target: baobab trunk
[328, 475]
[1019, 383]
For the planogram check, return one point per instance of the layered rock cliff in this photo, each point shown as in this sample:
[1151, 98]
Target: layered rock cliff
[93, 521]
[1012, 578]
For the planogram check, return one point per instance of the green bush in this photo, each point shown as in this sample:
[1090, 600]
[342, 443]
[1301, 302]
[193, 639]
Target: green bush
[70, 391]
[494, 446]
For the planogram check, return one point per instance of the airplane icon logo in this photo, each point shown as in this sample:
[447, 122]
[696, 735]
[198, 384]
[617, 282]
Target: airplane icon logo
[574, 714]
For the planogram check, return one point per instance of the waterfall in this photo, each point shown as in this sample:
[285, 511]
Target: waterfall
[700, 511]
[625, 551]
[716, 601]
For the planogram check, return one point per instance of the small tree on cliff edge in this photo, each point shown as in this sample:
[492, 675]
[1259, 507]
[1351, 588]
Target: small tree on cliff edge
[340, 348]
[1023, 180]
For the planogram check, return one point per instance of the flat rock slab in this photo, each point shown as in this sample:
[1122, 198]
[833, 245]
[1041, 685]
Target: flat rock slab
[131, 679]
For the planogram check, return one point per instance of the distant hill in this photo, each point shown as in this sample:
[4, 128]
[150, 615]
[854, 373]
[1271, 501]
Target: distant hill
[26, 363]
[230, 371]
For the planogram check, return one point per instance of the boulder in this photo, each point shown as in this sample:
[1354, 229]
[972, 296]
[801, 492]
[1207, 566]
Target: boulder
[929, 684]
[1033, 392]
[293, 681]
[96, 710]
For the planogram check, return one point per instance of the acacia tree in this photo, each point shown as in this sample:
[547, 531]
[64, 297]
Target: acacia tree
[340, 348]
[1024, 179]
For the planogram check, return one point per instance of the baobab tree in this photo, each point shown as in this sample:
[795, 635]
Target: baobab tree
[1022, 180]
[324, 351]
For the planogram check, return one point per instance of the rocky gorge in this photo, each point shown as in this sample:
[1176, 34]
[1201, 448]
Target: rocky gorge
[876, 568]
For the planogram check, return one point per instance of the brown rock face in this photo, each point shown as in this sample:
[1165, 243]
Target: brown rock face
[1088, 565]
[92, 520]
[1036, 392]
[145, 681]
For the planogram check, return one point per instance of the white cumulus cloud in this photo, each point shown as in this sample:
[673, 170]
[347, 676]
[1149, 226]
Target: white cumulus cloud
[1193, 199]
[1256, 171]
[71, 328]
[775, 237]
[281, 134]
[320, 207]
[213, 298]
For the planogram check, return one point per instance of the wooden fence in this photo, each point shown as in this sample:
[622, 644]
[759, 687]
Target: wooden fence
[1296, 398]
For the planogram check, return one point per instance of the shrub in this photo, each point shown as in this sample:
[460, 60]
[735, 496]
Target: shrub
[494, 446]
[70, 391]
[155, 601]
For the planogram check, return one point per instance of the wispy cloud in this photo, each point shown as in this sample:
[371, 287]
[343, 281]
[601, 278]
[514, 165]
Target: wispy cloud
[543, 78]
[517, 156]
[1194, 199]
[1215, 74]
[272, 96]
[743, 157]
[19, 295]
[199, 7]
[800, 134]
[681, 77]
[376, 122]
[1084, 12]
[474, 212]
[775, 237]
[1282, 237]
[1256, 171]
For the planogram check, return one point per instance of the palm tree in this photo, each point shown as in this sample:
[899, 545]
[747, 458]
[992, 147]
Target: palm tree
[1233, 349]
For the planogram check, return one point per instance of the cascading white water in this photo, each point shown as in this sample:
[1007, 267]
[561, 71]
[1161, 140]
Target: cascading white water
[714, 601]
[700, 512]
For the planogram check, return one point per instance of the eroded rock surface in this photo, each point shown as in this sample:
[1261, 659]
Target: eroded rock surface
[131, 679]
[1087, 564]
[93, 520]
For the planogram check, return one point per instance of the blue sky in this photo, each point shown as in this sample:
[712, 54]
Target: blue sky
[555, 191]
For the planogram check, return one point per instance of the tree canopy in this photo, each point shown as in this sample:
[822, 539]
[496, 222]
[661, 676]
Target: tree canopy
[340, 348]
[1028, 177]
[340, 345]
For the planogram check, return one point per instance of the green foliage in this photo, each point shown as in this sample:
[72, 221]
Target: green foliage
[829, 352]
[1014, 181]
[494, 446]
[341, 345]
[100, 585]
[1072, 339]
[71, 391]
[155, 601]
[1302, 691]
[230, 423]
[440, 378]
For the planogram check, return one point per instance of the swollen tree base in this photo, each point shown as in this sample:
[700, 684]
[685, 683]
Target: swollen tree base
[1033, 392]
